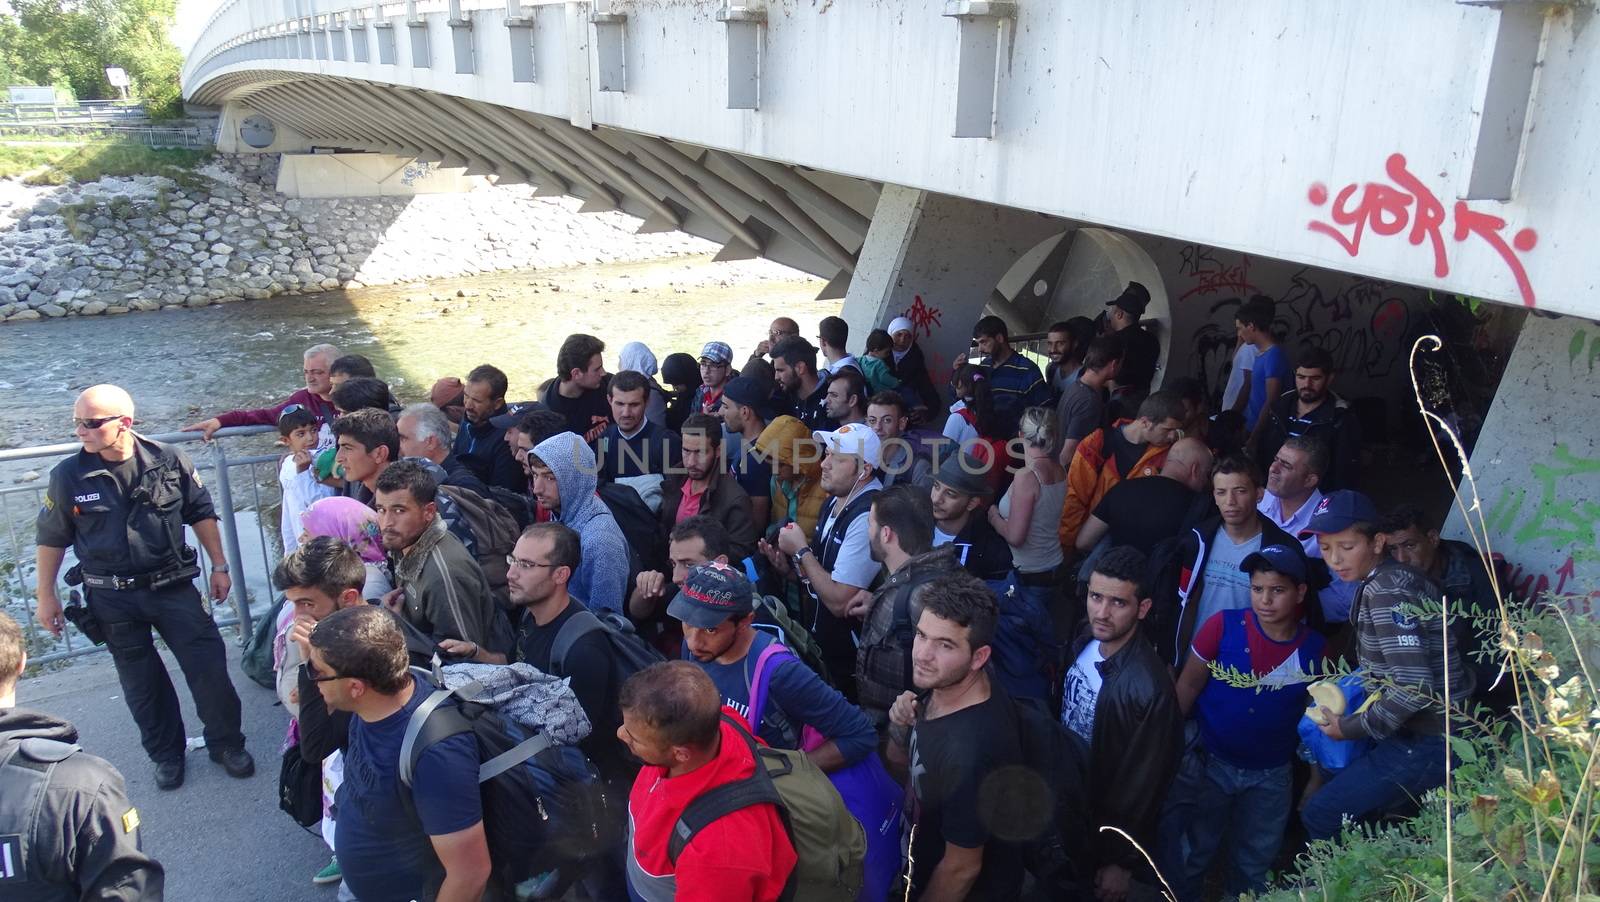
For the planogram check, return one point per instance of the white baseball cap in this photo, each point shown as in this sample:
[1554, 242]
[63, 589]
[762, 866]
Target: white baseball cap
[855, 439]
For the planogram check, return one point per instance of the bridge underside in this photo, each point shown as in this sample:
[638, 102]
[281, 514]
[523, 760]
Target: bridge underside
[813, 221]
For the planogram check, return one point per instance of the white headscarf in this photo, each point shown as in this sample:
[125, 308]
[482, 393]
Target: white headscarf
[637, 357]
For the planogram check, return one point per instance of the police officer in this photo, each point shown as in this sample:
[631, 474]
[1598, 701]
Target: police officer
[122, 503]
[67, 830]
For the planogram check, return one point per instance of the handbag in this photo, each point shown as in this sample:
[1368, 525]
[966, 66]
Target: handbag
[300, 787]
[872, 796]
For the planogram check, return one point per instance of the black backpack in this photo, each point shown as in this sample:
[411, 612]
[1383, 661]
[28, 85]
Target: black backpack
[1163, 572]
[629, 652]
[546, 813]
[639, 526]
[1050, 818]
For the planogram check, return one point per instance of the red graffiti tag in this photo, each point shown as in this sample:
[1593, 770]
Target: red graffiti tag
[1212, 275]
[923, 318]
[1405, 204]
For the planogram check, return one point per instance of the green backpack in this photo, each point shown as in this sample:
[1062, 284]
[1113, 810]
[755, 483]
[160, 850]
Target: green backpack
[256, 662]
[772, 618]
[830, 846]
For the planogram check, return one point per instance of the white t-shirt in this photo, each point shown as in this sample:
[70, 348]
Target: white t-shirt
[956, 427]
[1244, 361]
[300, 490]
[854, 565]
[1081, 690]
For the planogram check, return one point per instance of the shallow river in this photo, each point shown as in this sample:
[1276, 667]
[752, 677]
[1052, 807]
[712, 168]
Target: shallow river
[180, 365]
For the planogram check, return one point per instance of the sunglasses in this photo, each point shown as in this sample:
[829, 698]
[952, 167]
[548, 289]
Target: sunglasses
[93, 422]
[311, 674]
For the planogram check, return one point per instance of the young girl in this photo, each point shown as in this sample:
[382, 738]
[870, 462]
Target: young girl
[1029, 513]
[972, 425]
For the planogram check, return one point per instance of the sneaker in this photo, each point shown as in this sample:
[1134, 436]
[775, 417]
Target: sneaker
[329, 874]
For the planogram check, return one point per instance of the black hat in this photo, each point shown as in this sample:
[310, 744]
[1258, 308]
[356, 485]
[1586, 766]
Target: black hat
[514, 414]
[1133, 299]
[712, 593]
[747, 391]
[965, 474]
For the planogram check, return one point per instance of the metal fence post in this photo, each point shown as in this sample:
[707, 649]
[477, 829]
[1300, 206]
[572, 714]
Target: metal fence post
[230, 540]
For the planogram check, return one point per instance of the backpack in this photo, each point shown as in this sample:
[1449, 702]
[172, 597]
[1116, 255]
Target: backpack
[875, 800]
[883, 668]
[1163, 574]
[828, 841]
[26, 766]
[639, 526]
[772, 618]
[496, 533]
[256, 661]
[518, 505]
[545, 811]
[1025, 651]
[1050, 820]
[629, 652]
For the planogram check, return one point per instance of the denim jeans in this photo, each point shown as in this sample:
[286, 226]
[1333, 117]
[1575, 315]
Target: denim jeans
[1244, 810]
[1396, 769]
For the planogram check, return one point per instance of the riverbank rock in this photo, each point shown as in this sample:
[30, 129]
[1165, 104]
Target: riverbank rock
[141, 243]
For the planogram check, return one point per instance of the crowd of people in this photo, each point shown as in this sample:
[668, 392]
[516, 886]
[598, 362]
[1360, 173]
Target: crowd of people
[912, 581]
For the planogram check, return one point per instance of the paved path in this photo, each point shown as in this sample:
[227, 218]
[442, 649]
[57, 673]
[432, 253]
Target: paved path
[218, 837]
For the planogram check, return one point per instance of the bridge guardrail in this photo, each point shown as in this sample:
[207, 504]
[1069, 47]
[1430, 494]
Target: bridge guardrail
[221, 474]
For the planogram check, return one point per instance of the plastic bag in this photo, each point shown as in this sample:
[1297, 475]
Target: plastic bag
[1334, 755]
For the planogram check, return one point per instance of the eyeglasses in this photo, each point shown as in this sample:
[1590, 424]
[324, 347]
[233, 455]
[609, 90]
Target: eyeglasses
[309, 673]
[94, 422]
[516, 563]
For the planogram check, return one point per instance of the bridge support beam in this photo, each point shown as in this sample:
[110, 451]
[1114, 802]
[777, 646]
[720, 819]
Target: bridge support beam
[936, 259]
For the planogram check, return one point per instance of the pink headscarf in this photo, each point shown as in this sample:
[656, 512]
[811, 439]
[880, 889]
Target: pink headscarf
[347, 519]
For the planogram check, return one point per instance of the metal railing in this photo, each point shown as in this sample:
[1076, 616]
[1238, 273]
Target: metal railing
[81, 111]
[194, 136]
[221, 475]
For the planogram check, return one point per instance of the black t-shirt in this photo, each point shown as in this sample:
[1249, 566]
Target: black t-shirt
[959, 770]
[1142, 512]
[587, 415]
[1124, 452]
[588, 666]
[1140, 350]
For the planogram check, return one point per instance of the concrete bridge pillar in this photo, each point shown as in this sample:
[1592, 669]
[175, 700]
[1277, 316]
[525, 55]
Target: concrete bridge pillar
[936, 259]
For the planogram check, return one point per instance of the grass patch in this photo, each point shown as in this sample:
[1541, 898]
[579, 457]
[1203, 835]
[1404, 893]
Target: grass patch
[87, 162]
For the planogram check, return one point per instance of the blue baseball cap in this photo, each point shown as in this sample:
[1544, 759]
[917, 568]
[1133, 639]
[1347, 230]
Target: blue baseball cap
[1340, 511]
[1278, 558]
[712, 593]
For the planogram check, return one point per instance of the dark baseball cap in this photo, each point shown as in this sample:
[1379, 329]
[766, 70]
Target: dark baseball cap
[1340, 511]
[1133, 299]
[966, 474]
[514, 413]
[747, 391]
[712, 593]
[1291, 562]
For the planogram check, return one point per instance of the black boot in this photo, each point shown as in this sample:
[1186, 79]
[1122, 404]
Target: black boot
[237, 762]
[169, 774]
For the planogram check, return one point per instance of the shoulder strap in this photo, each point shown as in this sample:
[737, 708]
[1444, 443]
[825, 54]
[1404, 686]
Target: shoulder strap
[425, 728]
[713, 804]
[577, 626]
[760, 678]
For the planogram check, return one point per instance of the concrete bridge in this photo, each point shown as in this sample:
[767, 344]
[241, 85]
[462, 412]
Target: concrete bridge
[1361, 161]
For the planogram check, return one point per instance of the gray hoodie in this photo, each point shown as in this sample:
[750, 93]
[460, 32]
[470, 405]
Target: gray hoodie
[602, 578]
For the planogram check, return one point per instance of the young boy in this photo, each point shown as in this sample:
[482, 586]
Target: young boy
[1403, 649]
[1242, 781]
[1270, 371]
[297, 431]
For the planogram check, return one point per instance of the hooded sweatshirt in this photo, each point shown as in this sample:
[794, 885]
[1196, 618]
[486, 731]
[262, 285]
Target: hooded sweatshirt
[601, 582]
[84, 843]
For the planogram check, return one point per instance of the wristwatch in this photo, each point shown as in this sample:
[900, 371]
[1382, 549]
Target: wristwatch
[804, 550]
[219, 568]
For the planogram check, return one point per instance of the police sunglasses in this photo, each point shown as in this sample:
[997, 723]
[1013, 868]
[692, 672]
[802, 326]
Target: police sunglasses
[314, 676]
[93, 422]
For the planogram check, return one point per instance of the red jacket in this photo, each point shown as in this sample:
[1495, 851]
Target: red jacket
[745, 855]
[268, 416]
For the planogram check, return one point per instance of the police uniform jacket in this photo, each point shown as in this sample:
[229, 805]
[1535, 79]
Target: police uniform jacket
[124, 534]
[80, 840]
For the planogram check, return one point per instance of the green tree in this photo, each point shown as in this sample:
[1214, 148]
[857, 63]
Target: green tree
[72, 42]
